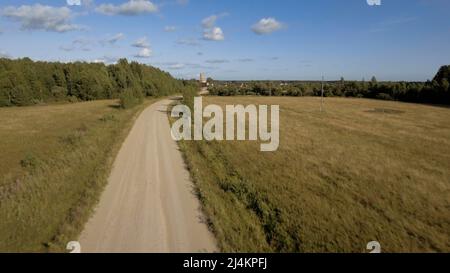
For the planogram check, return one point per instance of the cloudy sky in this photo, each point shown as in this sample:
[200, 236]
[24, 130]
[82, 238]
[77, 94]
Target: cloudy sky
[231, 39]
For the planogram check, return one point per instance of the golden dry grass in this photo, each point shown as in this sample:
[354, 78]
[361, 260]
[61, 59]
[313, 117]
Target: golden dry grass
[363, 170]
[54, 164]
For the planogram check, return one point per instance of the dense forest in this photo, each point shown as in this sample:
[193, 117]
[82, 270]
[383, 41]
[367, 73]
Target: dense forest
[25, 82]
[436, 91]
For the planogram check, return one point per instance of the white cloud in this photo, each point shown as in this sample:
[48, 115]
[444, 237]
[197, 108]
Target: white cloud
[245, 60]
[182, 66]
[142, 43]
[74, 2]
[4, 55]
[179, 66]
[106, 60]
[144, 53]
[114, 39]
[174, 66]
[217, 61]
[79, 44]
[170, 28]
[130, 8]
[267, 26]
[210, 31]
[40, 17]
[213, 34]
[189, 42]
[79, 2]
[67, 48]
[86, 3]
[210, 21]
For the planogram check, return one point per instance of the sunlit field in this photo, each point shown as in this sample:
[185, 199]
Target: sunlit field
[361, 171]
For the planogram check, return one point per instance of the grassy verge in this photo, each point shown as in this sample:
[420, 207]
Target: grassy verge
[55, 162]
[364, 170]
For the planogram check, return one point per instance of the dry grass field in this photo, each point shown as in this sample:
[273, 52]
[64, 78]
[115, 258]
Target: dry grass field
[54, 163]
[363, 170]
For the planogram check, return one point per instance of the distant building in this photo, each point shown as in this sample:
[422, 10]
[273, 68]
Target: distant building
[203, 80]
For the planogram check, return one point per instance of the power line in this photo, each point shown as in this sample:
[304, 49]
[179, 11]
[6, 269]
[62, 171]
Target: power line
[321, 100]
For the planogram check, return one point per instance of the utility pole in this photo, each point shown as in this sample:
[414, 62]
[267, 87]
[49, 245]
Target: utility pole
[321, 100]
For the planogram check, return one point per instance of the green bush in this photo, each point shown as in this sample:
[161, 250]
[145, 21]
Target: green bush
[29, 162]
[72, 99]
[130, 98]
[4, 100]
[384, 96]
[108, 117]
[189, 92]
[59, 92]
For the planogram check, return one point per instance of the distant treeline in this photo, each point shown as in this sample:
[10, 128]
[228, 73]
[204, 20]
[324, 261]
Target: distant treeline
[436, 91]
[25, 82]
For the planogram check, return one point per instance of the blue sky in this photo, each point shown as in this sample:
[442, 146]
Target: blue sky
[230, 39]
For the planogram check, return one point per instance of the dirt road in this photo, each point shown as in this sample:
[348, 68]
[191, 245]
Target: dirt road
[148, 205]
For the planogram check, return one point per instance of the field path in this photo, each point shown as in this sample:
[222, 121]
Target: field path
[148, 204]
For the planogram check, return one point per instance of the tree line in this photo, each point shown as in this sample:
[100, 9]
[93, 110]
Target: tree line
[435, 91]
[25, 82]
